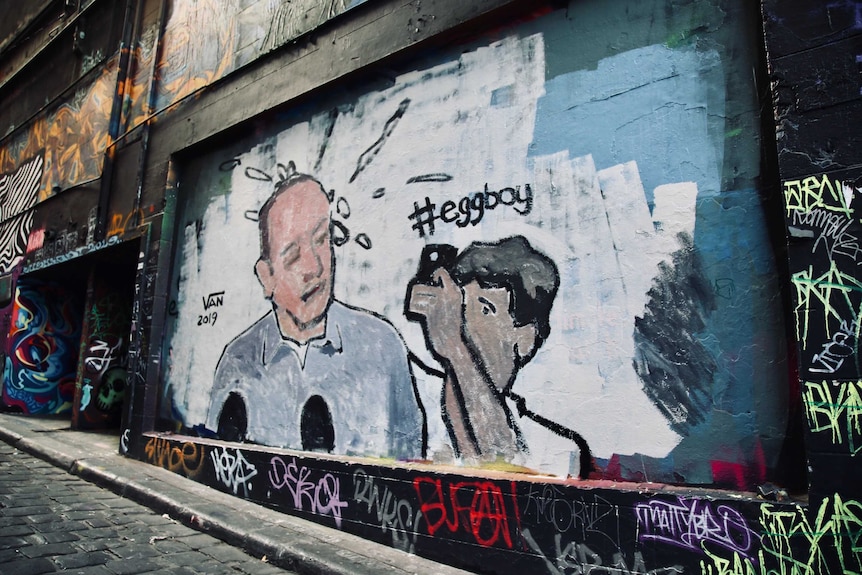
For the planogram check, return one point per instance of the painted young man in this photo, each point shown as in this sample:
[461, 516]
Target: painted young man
[313, 373]
[485, 314]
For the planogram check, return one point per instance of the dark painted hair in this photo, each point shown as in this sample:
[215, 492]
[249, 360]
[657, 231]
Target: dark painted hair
[530, 276]
[282, 187]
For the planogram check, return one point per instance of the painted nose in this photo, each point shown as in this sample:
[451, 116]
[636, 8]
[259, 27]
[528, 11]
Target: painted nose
[312, 267]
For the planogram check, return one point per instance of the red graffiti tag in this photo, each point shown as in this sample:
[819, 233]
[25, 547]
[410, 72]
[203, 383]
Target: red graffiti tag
[477, 507]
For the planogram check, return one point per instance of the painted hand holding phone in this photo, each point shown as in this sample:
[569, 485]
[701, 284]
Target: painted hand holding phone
[485, 313]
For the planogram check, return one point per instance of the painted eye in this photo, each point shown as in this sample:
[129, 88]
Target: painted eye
[487, 307]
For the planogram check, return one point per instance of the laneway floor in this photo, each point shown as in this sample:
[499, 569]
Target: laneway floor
[52, 521]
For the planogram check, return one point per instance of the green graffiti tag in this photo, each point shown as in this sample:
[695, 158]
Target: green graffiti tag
[794, 545]
[832, 291]
[815, 192]
[835, 408]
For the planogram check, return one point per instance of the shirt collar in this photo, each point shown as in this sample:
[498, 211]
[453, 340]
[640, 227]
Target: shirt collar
[274, 344]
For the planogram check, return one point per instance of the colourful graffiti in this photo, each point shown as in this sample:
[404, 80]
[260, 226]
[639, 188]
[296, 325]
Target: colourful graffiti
[42, 349]
[319, 494]
[479, 508]
[102, 378]
[187, 459]
[528, 526]
[824, 540]
[557, 305]
[73, 137]
[696, 525]
[204, 41]
[814, 192]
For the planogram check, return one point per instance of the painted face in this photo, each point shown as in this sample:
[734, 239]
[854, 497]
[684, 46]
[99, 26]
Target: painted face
[491, 331]
[297, 276]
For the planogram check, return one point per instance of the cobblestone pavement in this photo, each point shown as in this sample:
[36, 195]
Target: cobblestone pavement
[51, 521]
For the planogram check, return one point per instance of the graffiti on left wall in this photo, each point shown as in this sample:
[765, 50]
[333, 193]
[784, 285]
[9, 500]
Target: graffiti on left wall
[19, 190]
[42, 348]
[71, 138]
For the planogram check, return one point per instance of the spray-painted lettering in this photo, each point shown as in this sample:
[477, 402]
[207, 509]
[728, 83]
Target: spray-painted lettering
[470, 209]
[579, 559]
[835, 351]
[834, 235]
[474, 507]
[186, 460]
[395, 516]
[816, 192]
[101, 354]
[833, 291]
[835, 408]
[693, 523]
[550, 505]
[233, 470]
[321, 496]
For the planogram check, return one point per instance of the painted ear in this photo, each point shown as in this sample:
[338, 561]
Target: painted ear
[526, 343]
[263, 271]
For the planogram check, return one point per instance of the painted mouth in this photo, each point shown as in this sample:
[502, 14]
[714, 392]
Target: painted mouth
[312, 292]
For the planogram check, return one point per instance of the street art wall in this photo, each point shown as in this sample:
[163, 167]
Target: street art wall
[42, 348]
[102, 370]
[502, 523]
[514, 254]
[70, 138]
[815, 58]
[203, 41]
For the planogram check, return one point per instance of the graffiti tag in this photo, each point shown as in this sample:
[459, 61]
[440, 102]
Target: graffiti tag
[100, 355]
[185, 460]
[321, 496]
[474, 507]
[838, 412]
[579, 559]
[691, 523]
[395, 516]
[836, 350]
[816, 192]
[550, 505]
[233, 470]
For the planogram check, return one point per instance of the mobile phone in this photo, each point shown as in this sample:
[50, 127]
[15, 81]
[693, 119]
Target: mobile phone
[434, 257]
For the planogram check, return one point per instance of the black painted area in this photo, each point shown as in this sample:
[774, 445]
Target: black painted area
[807, 24]
[814, 52]
[500, 523]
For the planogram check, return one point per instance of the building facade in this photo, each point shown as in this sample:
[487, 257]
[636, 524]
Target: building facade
[518, 287]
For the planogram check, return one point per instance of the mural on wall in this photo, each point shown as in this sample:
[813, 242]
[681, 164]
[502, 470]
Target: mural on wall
[350, 386]
[205, 40]
[70, 139]
[485, 312]
[570, 302]
[42, 348]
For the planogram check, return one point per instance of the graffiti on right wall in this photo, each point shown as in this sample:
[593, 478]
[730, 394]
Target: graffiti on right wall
[512, 257]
